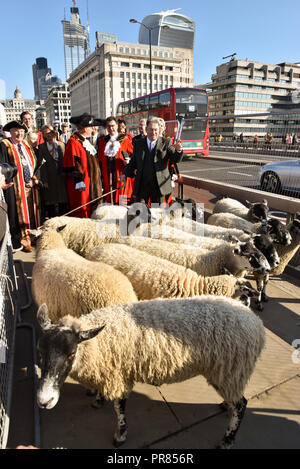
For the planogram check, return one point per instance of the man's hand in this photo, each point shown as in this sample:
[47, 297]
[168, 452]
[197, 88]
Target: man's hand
[178, 146]
[122, 178]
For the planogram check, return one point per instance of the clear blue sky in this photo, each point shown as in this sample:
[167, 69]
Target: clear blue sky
[262, 30]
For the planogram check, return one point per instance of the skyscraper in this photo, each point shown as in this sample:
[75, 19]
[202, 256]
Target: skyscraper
[179, 33]
[76, 41]
[39, 70]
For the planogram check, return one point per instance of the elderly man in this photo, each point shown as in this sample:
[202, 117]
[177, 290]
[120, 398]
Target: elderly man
[150, 160]
[23, 197]
[80, 164]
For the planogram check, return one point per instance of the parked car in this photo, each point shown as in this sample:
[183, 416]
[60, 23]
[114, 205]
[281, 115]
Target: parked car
[280, 177]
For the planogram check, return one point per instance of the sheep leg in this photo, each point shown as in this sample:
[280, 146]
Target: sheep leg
[260, 286]
[98, 402]
[238, 411]
[120, 435]
[264, 295]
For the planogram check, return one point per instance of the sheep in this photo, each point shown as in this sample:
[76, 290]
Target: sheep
[275, 228]
[255, 212]
[68, 282]
[153, 277]
[202, 261]
[286, 253]
[82, 234]
[108, 211]
[155, 342]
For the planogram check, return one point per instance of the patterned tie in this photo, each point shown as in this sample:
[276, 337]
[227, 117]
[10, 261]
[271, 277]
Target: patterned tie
[26, 170]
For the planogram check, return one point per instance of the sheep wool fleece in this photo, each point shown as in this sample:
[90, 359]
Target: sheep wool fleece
[167, 341]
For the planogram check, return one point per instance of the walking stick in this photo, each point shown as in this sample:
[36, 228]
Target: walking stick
[90, 202]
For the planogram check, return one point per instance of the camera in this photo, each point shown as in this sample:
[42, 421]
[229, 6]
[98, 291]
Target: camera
[9, 171]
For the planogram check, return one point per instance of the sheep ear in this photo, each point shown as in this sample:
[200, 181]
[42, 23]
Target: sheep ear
[60, 228]
[233, 239]
[237, 250]
[249, 204]
[43, 317]
[87, 335]
[265, 202]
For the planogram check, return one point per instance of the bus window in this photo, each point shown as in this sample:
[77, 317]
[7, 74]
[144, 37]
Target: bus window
[126, 108]
[140, 105]
[134, 107]
[165, 99]
[119, 110]
[146, 105]
[153, 102]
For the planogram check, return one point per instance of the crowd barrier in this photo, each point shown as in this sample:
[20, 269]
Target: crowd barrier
[8, 321]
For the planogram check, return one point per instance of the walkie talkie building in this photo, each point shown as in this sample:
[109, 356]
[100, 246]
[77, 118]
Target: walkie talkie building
[180, 31]
[76, 42]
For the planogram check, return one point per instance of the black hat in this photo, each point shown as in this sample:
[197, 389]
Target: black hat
[14, 125]
[85, 120]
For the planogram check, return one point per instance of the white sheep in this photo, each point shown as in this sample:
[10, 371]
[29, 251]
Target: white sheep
[203, 261]
[152, 277]
[254, 212]
[71, 284]
[82, 234]
[156, 342]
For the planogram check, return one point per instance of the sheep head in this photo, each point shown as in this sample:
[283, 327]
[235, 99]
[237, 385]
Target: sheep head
[57, 345]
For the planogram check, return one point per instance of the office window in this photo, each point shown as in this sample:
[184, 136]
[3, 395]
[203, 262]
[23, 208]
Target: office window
[133, 51]
[124, 64]
[136, 65]
[121, 49]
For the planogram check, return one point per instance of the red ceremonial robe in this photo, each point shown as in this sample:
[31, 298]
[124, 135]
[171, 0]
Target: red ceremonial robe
[75, 158]
[23, 211]
[124, 195]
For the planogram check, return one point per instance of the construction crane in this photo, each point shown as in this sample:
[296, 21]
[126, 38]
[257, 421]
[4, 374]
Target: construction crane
[231, 55]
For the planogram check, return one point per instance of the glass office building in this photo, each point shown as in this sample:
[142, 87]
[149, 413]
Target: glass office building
[76, 42]
[180, 31]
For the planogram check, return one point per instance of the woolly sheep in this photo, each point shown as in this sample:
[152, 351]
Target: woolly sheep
[202, 261]
[156, 342]
[254, 212]
[275, 228]
[152, 277]
[82, 234]
[71, 284]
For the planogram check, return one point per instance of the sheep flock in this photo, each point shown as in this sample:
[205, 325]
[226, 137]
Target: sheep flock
[135, 294]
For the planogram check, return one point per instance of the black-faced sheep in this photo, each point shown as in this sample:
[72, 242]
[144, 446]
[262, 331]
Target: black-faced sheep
[286, 253]
[71, 284]
[152, 277]
[275, 228]
[253, 212]
[155, 342]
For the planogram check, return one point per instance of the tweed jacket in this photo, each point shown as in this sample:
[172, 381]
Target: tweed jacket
[164, 154]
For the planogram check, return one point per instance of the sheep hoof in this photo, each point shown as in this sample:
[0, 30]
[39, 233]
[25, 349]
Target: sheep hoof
[264, 298]
[91, 392]
[224, 445]
[224, 406]
[98, 403]
[117, 443]
[259, 307]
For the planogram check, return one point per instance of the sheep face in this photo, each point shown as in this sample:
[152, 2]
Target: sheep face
[244, 291]
[57, 346]
[265, 245]
[258, 211]
[295, 230]
[256, 258]
[277, 230]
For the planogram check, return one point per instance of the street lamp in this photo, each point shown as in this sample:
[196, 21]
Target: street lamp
[150, 29]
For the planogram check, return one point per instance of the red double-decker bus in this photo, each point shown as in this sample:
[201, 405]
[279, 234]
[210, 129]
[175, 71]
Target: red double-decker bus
[173, 105]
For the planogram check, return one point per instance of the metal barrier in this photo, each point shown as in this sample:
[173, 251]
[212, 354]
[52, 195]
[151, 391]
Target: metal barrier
[8, 319]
